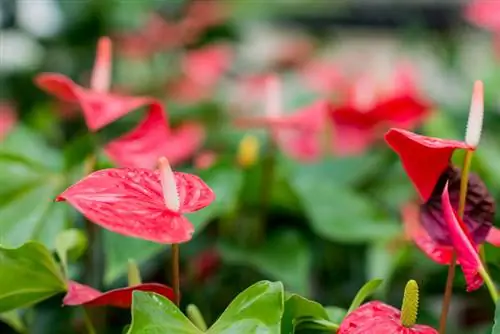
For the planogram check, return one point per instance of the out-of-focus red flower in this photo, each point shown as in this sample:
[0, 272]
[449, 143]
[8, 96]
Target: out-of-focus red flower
[463, 244]
[323, 77]
[151, 139]
[8, 118]
[141, 203]
[484, 14]
[378, 318]
[202, 70]
[294, 52]
[298, 134]
[368, 111]
[205, 159]
[205, 264]
[79, 294]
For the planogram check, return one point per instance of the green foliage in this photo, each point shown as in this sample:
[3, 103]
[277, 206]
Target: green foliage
[28, 275]
[496, 326]
[363, 293]
[299, 307]
[70, 243]
[258, 309]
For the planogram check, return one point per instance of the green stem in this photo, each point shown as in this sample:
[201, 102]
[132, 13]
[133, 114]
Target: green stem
[489, 284]
[464, 180]
[267, 180]
[88, 321]
[175, 274]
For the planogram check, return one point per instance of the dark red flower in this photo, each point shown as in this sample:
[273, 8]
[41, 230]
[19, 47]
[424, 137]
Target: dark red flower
[8, 118]
[205, 264]
[141, 203]
[79, 294]
[366, 113]
[378, 318]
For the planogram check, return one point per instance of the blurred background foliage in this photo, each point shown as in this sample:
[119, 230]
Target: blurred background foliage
[331, 225]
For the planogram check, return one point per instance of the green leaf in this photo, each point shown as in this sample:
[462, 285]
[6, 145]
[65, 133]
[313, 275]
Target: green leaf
[363, 293]
[13, 319]
[224, 181]
[28, 275]
[258, 309]
[284, 256]
[337, 213]
[496, 326]
[72, 243]
[155, 314]
[297, 307]
[336, 314]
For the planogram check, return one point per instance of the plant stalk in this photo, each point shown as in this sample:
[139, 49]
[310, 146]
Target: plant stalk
[88, 321]
[464, 180]
[176, 273]
[267, 180]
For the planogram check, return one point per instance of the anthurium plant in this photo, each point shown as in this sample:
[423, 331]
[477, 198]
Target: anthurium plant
[161, 174]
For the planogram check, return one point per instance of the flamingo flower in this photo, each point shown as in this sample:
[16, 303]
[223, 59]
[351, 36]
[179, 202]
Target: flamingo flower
[368, 109]
[299, 134]
[8, 119]
[378, 318]
[426, 161]
[79, 294]
[202, 69]
[322, 77]
[141, 203]
[142, 146]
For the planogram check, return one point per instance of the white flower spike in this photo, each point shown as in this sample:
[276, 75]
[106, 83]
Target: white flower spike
[475, 122]
[273, 98]
[101, 75]
[168, 185]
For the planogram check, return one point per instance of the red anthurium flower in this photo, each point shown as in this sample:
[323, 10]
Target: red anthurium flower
[378, 318]
[322, 77]
[368, 110]
[205, 264]
[484, 13]
[205, 159]
[79, 294]
[152, 139]
[99, 107]
[141, 203]
[299, 134]
[464, 245]
[8, 118]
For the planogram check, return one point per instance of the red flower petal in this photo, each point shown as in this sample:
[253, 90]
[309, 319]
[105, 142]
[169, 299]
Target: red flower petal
[193, 193]
[99, 108]
[494, 237]
[378, 318]
[413, 229]
[8, 118]
[130, 202]
[152, 139]
[424, 158]
[484, 13]
[207, 65]
[467, 253]
[322, 77]
[404, 111]
[79, 294]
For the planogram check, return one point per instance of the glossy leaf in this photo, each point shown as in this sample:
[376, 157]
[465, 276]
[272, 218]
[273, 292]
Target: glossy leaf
[363, 293]
[284, 256]
[14, 320]
[154, 314]
[297, 307]
[258, 309]
[28, 275]
[337, 213]
[72, 241]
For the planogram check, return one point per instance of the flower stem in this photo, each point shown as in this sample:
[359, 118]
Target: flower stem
[489, 284]
[175, 274]
[464, 180]
[88, 321]
[267, 180]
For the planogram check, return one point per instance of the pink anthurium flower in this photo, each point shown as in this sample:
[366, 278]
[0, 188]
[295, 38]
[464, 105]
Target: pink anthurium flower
[367, 110]
[463, 244]
[79, 294]
[8, 118]
[141, 203]
[322, 77]
[484, 14]
[299, 134]
[378, 318]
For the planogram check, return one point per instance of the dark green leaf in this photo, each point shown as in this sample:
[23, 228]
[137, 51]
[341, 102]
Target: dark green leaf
[13, 319]
[283, 256]
[155, 314]
[28, 275]
[297, 307]
[258, 309]
[338, 213]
